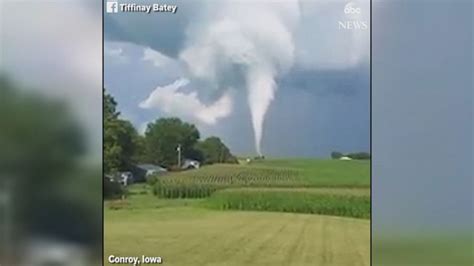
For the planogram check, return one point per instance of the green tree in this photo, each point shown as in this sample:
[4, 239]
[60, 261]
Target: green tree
[110, 107]
[162, 138]
[336, 155]
[119, 138]
[213, 150]
[359, 156]
[119, 145]
[139, 154]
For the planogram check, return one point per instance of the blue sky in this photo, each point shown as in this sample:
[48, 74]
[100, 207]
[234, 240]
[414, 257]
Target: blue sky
[209, 66]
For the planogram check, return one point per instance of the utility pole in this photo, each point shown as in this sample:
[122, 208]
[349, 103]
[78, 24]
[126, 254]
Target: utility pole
[179, 155]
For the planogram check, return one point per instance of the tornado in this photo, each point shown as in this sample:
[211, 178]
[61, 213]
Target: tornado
[257, 40]
[261, 91]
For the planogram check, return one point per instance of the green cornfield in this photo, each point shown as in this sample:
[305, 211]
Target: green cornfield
[337, 202]
[203, 182]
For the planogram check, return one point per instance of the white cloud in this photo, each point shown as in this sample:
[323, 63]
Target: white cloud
[116, 51]
[157, 58]
[170, 100]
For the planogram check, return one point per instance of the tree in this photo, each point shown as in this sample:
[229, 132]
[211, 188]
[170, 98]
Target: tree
[359, 156]
[213, 150]
[336, 155]
[162, 138]
[119, 145]
[139, 154]
[110, 107]
[119, 138]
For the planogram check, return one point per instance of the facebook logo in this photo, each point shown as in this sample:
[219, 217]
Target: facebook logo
[112, 7]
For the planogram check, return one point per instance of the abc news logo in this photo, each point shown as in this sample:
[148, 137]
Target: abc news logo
[353, 12]
[349, 9]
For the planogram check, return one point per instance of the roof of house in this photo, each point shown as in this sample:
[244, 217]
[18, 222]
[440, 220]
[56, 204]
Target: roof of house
[152, 167]
[191, 161]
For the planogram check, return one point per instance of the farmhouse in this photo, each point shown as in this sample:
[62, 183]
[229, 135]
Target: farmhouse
[345, 158]
[190, 164]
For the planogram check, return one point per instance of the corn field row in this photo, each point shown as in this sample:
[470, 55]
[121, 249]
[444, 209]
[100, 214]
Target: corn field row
[203, 182]
[291, 200]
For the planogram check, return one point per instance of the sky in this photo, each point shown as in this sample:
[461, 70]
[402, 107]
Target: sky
[422, 116]
[277, 78]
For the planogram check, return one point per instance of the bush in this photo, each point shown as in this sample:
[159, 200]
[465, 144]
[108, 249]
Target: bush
[151, 180]
[112, 190]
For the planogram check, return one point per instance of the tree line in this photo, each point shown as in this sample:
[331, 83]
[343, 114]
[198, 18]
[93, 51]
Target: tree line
[124, 147]
[354, 155]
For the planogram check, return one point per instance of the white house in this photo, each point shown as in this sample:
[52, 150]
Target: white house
[190, 164]
[345, 158]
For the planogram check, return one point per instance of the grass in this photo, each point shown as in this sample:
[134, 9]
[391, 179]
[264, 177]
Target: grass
[189, 235]
[325, 173]
[338, 202]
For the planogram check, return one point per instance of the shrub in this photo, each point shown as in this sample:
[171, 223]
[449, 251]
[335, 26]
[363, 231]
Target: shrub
[151, 180]
[112, 190]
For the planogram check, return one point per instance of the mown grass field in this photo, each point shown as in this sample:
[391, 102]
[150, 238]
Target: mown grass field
[263, 213]
[184, 234]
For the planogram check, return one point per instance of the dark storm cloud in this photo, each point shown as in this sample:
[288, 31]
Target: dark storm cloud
[328, 82]
[164, 32]
[320, 112]
[313, 114]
